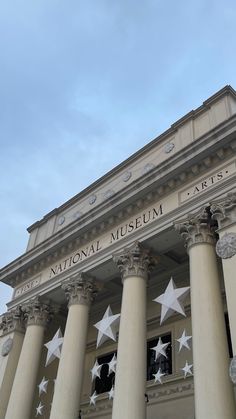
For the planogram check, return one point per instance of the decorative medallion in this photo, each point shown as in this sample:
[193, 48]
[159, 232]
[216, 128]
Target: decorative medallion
[232, 370]
[226, 246]
[77, 215]
[148, 167]
[61, 220]
[7, 346]
[168, 147]
[92, 199]
[126, 176]
[109, 193]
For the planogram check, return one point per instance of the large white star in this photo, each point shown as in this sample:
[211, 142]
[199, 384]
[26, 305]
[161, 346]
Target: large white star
[172, 300]
[112, 365]
[39, 409]
[158, 376]
[96, 370]
[107, 327]
[93, 398]
[43, 386]
[183, 341]
[187, 369]
[54, 347]
[111, 393]
[160, 349]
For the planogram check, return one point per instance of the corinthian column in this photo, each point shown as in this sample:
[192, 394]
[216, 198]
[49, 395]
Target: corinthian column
[224, 211]
[66, 401]
[212, 388]
[13, 330]
[130, 383]
[20, 404]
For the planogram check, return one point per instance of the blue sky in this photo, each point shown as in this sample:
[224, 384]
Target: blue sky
[84, 84]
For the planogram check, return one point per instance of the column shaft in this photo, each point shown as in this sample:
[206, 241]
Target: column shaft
[21, 399]
[130, 383]
[213, 390]
[69, 381]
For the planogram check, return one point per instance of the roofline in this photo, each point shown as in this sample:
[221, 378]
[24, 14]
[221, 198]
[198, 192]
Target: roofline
[190, 115]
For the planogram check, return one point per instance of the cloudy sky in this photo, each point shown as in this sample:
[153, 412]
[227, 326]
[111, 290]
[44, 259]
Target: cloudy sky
[82, 79]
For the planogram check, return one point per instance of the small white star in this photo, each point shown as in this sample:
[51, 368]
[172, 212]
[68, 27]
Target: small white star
[112, 365]
[54, 347]
[96, 370]
[111, 393]
[107, 327]
[43, 386]
[183, 341]
[172, 300]
[158, 376]
[160, 349]
[187, 369]
[93, 398]
[39, 409]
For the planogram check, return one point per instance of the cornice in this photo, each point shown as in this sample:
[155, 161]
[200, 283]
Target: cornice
[182, 168]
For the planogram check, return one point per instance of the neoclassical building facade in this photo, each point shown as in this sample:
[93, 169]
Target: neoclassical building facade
[168, 211]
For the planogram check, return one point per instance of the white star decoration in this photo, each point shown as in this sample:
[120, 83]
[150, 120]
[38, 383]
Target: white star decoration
[187, 369]
[160, 349]
[158, 376]
[112, 365]
[43, 386]
[96, 370]
[111, 393]
[107, 327]
[54, 347]
[172, 300]
[39, 409]
[93, 398]
[183, 341]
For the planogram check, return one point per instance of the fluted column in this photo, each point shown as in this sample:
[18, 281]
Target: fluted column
[13, 330]
[130, 382]
[224, 211]
[212, 387]
[37, 316]
[80, 291]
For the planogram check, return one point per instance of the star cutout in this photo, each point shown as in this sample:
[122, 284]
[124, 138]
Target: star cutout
[107, 327]
[183, 341]
[54, 347]
[112, 365]
[43, 386]
[187, 369]
[39, 409]
[111, 393]
[160, 349]
[158, 376]
[172, 300]
[96, 370]
[93, 398]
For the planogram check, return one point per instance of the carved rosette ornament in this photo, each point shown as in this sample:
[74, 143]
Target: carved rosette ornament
[37, 313]
[12, 321]
[79, 289]
[197, 228]
[226, 246]
[135, 261]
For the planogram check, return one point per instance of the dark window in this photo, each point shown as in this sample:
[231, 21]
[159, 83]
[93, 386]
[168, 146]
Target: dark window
[165, 364]
[106, 381]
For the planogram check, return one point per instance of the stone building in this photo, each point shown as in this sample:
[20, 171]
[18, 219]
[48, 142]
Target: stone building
[167, 211]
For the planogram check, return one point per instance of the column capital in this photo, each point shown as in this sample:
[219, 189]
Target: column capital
[196, 228]
[12, 321]
[134, 261]
[79, 289]
[224, 210]
[36, 312]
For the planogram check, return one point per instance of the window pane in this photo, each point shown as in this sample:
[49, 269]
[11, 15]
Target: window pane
[165, 364]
